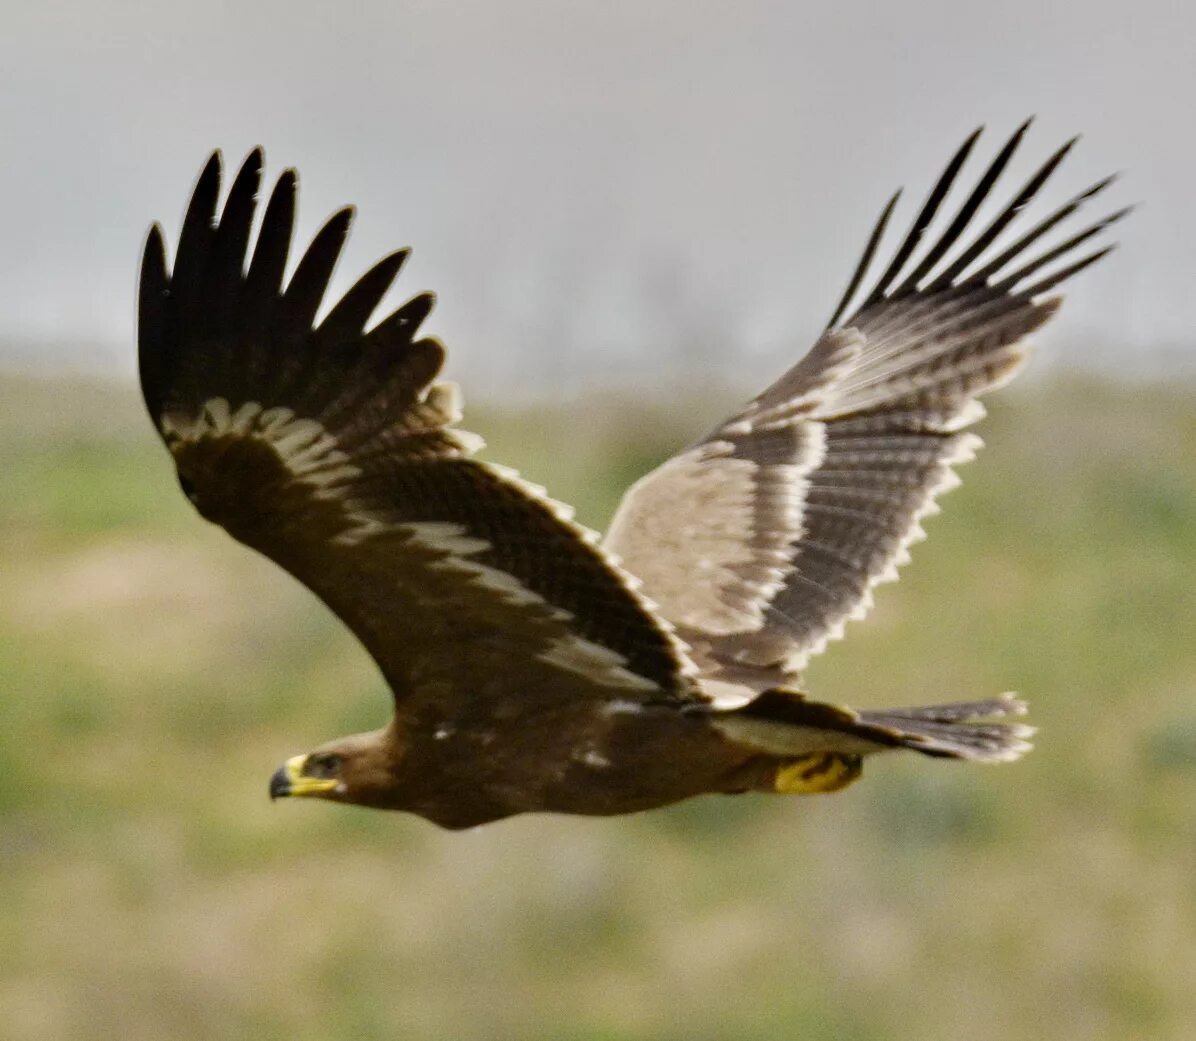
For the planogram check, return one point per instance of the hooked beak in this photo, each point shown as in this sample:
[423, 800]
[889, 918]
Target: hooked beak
[289, 781]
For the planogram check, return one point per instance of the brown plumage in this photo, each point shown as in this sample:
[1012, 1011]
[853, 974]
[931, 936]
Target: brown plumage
[534, 667]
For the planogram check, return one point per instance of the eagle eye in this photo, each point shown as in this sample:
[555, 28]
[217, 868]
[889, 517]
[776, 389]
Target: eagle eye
[324, 766]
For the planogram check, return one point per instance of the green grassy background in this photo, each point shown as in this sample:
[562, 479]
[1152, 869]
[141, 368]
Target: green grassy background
[153, 673]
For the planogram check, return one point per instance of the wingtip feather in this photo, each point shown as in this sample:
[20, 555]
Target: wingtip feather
[154, 247]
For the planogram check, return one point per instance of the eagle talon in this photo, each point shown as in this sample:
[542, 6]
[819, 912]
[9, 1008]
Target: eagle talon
[817, 773]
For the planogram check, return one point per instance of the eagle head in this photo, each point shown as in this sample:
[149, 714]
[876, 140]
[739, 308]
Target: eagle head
[354, 769]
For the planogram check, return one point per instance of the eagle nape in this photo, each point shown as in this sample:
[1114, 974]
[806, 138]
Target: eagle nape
[534, 665]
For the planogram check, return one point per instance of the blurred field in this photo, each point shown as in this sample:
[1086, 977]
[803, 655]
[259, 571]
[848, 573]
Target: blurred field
[153, 673]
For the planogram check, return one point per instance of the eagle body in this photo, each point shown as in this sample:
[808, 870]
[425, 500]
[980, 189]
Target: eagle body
[535, 665]
[596, 761]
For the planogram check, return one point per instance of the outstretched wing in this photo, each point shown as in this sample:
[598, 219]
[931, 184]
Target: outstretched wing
[331, 450]
[760, 541]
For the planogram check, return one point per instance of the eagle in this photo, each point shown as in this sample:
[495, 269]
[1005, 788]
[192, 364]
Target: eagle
[536, 666]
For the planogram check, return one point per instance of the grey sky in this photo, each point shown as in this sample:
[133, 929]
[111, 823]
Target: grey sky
[606, 187]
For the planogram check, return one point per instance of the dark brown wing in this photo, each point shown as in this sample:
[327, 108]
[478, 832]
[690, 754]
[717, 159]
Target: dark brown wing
[802, 502]
[331, 450]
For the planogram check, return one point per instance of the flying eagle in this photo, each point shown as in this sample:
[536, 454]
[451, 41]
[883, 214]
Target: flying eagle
[535, 665]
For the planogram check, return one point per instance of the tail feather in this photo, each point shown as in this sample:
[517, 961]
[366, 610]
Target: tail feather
[955, 711]
[957, 730]
[788, 723]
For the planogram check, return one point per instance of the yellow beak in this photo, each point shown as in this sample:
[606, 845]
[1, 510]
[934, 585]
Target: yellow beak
[289, 780]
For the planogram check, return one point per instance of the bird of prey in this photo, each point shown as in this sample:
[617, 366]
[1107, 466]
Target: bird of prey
[535, 665]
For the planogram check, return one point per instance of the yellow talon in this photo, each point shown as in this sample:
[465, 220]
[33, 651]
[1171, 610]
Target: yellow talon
[817, 773]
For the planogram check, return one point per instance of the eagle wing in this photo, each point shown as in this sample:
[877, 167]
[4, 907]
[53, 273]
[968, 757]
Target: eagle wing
[331, 450]
[761, 540]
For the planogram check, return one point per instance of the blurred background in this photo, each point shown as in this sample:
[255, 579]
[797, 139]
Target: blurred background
[634, 216]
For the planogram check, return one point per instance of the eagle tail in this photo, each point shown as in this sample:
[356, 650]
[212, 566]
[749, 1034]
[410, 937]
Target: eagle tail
[787, 723]
[959, 730]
